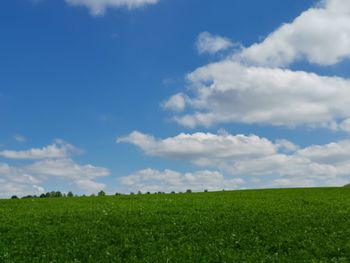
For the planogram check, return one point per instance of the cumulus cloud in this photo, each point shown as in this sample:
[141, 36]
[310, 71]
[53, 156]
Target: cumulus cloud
[345, 125]
[229, 92]
[15, 181]
[211, 44]
[59, 149]
[253, 87]
[199, 147]
[52, 161]
[98, 7]
[286, 146]
[66, 168]
[320, 35]
[151, 180]
[175, 103]
[250, 157]
[89, 185]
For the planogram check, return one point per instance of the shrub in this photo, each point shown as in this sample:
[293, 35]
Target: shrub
[101, 193]
[58, 194]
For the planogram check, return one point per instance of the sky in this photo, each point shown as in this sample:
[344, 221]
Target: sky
[164, 95]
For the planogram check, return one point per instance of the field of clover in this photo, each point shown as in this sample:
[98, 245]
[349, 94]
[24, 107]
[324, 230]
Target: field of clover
[282, 225]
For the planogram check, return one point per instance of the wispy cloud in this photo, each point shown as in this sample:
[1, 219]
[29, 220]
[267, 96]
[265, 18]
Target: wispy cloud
[98, 7]
[19, 138]
[59, 149]
[211, 44]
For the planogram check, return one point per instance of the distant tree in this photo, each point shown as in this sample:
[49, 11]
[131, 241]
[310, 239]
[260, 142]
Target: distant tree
[148, 193]
[47, 195]
[42, 196]
[101, 193]
[205, 190]
[131, 193]
[118, 193]
[139, 193]
[92, 195]
[58, 194]
[14, 197]
[173, 192]
[70, 194]
[188, 191]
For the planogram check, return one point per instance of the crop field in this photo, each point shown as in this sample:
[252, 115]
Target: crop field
[284, 225]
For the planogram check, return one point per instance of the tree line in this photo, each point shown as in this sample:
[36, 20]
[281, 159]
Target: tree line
[59, 194]
[56, 194]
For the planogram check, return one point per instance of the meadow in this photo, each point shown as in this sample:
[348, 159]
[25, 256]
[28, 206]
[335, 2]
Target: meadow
[282, 225]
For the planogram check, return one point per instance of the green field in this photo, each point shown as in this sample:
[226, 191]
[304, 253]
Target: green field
[290, 225]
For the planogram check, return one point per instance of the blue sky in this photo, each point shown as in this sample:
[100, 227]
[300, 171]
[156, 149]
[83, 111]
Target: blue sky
[169, 95]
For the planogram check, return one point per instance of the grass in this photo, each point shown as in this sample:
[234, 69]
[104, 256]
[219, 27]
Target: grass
[284, 225]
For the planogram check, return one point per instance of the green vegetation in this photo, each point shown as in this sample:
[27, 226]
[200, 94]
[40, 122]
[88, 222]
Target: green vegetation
[287, 225]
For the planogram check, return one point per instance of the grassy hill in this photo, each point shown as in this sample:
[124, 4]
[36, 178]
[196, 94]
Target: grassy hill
[285, 225]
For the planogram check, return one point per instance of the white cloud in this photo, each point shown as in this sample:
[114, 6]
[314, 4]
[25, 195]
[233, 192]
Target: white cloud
[251, 157]
[66, 168]
[98, 7]
[175, 103]
[82, 176]
[19, 138]
[321, 35]
[332, 153]
[150, 180]
[202, 146]
[211, 44]
[59, 149]
[345, 125]
[14, 181]
[52, 162]
[248, 88]
[229, 92]
[286, 146]
[89, 185]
